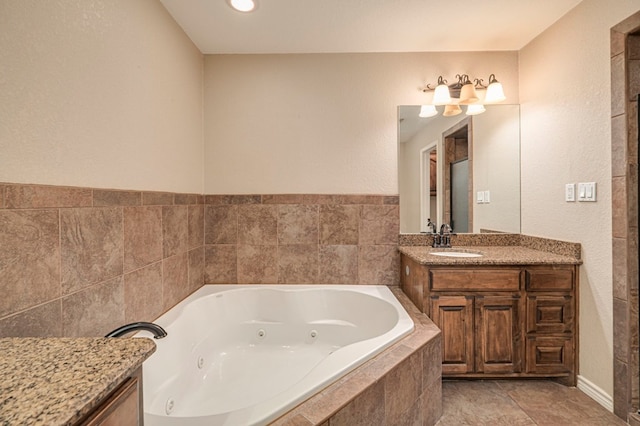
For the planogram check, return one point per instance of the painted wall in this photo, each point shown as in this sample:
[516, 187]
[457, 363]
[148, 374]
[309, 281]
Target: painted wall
[320, 123]
[566, 138]
[104, 94]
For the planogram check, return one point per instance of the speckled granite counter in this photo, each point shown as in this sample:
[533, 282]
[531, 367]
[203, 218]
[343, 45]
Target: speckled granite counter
[491, 255]
[56, 381]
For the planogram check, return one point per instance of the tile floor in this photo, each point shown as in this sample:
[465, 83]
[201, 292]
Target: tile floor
[520, 402]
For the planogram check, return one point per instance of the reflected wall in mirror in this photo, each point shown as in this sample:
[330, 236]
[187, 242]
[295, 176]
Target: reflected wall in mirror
[447, 163]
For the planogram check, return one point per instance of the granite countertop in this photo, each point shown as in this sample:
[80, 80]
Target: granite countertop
[491, 255]
[57, 381]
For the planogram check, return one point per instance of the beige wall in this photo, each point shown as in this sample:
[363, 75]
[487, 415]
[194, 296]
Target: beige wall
[566, 138]
[99, 93]
[320, 123]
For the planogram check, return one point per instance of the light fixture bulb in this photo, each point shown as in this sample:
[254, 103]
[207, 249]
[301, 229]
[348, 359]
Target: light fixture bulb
[243, 5]
[468, 94]
[441, 95]
[427, 111]
[475, 109]
[495, 93]
[451, 110]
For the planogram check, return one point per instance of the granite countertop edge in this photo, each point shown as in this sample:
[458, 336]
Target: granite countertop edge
[491, 255]
[58, 381]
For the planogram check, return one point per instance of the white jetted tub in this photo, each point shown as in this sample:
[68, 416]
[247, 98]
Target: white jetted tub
[245, 355]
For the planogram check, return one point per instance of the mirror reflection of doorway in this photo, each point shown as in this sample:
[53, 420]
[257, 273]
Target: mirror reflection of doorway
[428, 185]
[458, 199]
[459, 196]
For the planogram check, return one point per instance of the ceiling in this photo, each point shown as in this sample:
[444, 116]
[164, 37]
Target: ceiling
[323, 26]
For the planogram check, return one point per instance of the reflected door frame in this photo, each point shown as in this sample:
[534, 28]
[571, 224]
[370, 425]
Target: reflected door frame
[425, 187]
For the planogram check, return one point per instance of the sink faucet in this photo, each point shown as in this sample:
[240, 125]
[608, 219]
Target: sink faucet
[443, 239]
[158, 332]
[432, 225]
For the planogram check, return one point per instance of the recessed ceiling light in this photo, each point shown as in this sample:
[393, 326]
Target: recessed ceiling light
[243, 5]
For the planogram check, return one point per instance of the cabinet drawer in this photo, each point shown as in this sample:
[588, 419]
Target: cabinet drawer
[549, 279]
[549, 314]
[549, 355]
[474, 280]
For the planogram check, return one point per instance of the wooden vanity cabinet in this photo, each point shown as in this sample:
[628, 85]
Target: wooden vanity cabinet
[499, 321]
[123, 407]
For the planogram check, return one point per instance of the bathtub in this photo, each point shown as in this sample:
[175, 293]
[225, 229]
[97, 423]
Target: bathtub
[247, 354]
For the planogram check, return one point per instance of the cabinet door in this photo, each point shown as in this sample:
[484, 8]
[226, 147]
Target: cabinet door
[498, 334]
[454, 316]
[122, 408]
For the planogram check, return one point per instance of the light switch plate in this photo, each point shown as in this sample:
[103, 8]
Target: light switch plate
[487, 196]
[480, 197]
[570, 192]
[587, 191]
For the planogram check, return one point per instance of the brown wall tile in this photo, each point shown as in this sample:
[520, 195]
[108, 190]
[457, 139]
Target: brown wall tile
[41, 196]
[94, 311]
[619, 211]
[29, 255]
[391, 199]
[175, 230]
[621, 330]
[403, 386]
[339, 224]
[186, 199]
[298, 224]
[257, 264]
[91, 246]
[232, 199]
[142, 236]
[379, 224]
[618, 82]
[175, 280]
[298, 264]
[196, 226]
[379, 265]
[143, 294]
[257, 224]
[221, 224]
[634, 78]
[338, 265]
[196, 269]
[157, 198]
[41, 321]
[108, 198]
[2, 196]
[220, 264]
[619, 145]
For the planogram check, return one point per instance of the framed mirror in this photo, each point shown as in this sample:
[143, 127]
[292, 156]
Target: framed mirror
[461, 170]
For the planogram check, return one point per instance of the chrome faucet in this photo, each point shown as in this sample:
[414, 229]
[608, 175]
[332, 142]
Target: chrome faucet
[158, 332]
[432, 225]
[443, 239]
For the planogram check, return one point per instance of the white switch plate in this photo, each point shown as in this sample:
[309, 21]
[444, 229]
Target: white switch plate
[570, 192]
[480, 197]
[587, 191]
[487, 196]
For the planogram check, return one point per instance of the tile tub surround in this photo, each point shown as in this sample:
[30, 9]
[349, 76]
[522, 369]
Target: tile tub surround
[79, 262]
[57, 381]
[400, 386]
[301, 239]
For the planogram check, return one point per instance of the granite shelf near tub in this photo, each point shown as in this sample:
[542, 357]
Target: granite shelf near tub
[58, 381]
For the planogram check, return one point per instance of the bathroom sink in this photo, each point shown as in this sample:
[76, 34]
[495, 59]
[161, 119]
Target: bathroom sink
[456, 253]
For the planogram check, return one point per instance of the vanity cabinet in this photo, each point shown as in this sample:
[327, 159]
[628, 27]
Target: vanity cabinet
[123, 407]
[499, 320]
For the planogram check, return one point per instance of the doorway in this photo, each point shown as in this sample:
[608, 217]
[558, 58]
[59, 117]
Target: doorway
[457, 171]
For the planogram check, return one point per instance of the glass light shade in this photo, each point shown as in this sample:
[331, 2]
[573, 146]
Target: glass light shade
[451, 110]
[475, 109]
[468, 94]
[441, 95]
[494, 93]
[243, 5]
[428, 111]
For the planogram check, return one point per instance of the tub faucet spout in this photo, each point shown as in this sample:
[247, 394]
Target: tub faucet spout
[158, 332]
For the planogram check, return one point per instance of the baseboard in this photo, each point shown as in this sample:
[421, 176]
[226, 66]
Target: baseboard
[595, 393]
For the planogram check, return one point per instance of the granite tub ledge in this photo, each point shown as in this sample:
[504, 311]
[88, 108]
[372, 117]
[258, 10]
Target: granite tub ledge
[491, 255]
[58, 381]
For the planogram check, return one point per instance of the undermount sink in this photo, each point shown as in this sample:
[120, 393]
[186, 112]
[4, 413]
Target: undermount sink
[454, 253]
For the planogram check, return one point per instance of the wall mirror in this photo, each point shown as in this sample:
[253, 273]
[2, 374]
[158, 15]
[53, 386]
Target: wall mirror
[462, 170]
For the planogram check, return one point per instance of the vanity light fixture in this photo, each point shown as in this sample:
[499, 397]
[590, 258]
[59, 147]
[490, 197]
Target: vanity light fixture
[243, 5]
[463, 92]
